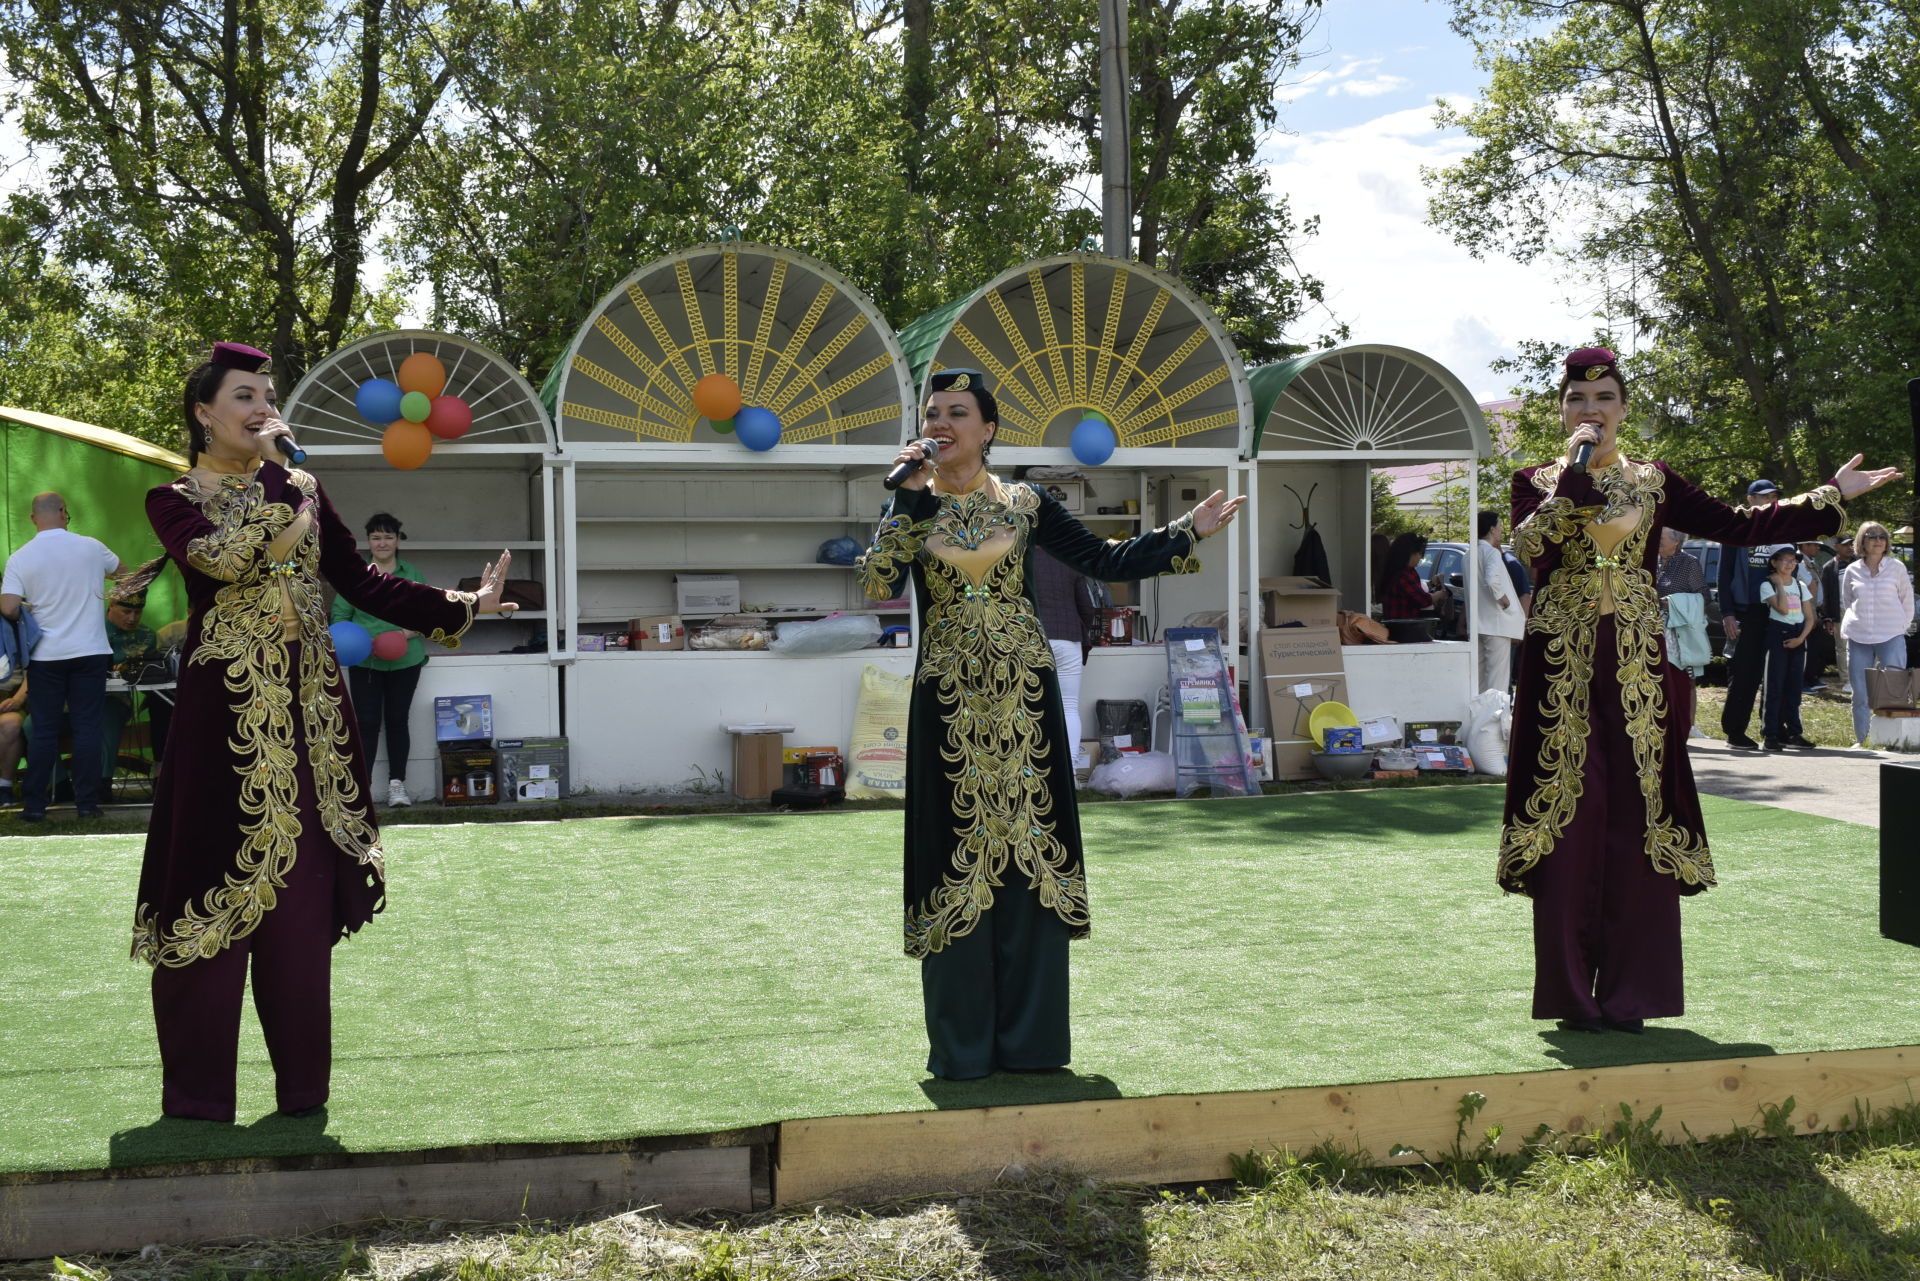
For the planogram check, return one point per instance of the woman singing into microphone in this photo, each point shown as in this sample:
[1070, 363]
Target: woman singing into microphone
[1603, 827]
[995, 886]
[262, 846]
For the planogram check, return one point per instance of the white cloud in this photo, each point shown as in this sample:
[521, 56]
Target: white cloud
[1390, 276]
[1371, 87]
[1347, 79]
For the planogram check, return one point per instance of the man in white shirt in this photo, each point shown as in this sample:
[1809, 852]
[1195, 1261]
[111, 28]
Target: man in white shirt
[59, 575]
[1501, 619]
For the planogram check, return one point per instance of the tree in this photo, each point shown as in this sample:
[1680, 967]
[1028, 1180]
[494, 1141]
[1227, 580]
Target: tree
[1736, 176]
[223, 161]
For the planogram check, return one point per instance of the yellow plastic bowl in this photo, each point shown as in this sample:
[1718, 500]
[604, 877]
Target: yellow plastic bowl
[1329, 716]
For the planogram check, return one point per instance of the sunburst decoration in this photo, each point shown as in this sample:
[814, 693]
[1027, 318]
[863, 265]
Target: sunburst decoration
[1139, 385]
[766, 326]
[1364, 399]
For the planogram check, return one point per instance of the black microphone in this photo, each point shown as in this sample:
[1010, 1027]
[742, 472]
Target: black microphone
[929, 449]
[1582, 455]
[291, 448]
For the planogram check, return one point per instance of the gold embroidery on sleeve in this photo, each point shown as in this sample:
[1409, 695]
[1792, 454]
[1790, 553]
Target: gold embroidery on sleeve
[451, 640]
[896, 544]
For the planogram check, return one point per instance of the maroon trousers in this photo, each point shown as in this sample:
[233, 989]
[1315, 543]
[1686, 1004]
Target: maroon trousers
[1606, 925]
[197, 1006]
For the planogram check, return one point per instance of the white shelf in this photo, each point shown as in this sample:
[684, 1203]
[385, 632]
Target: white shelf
[517, 616]
[735, 569]
[789, 615]
[493, 544]
[726, 520]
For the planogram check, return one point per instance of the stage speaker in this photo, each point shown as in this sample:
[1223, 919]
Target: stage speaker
[1900, 851]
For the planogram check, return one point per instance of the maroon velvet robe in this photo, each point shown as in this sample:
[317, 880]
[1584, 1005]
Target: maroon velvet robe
[1552, 724]
[264, 763]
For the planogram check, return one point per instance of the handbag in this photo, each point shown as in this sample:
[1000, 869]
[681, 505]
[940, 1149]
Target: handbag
[1893, 688]
[527, 593]
[1358, 629]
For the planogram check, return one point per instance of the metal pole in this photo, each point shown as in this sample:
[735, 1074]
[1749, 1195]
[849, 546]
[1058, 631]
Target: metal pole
[1116, 167]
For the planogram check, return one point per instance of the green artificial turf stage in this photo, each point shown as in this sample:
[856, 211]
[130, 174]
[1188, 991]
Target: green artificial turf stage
[602, 979]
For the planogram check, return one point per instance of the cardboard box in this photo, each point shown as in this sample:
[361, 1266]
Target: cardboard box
[468, 776]
[1083, 758]
[756, 765]
[1291, 700]
[706, 594]
[531, 769]
[463, 718]
[657, 633]
[1292, 760]
[1305, 651]
[1296, 599]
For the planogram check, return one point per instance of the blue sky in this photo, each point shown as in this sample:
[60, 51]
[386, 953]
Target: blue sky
[1356, 126]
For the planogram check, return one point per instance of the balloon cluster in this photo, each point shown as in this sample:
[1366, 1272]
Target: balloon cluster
[1093, 440]
[717, 397]
[413, 410]
[354, 645]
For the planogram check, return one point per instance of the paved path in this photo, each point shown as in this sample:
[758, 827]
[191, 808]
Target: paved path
[1827, 781]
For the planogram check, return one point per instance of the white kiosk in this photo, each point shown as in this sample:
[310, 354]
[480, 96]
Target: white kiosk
[492, 489]
[1325, 420]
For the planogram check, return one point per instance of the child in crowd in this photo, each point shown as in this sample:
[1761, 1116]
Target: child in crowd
[1788, 623]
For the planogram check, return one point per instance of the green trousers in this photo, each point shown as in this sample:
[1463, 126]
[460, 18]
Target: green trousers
[997, 998]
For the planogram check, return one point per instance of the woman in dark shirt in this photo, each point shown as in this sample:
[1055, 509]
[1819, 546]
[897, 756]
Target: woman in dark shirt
[1405, 596]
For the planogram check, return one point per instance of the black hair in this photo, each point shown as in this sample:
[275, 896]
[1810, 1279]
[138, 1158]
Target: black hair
[989, 412]
[1488, 519]
[387, 521]
[1403, 551]
[203, 384]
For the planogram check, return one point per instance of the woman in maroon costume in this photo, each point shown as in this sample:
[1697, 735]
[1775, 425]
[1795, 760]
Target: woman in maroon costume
[262, 843]
[1603, 827]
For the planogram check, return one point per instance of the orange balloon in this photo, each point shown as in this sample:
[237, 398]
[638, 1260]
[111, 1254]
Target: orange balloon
[406, 444]
[423, 372]
[716, 397]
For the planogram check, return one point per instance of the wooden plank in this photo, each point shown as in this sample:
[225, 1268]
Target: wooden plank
[102, 1215]
[1184, 1138]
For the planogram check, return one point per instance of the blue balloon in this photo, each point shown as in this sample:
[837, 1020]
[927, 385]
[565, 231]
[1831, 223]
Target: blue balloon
[378, 400]
[757, 428]
[352, 644]
[1093, 441]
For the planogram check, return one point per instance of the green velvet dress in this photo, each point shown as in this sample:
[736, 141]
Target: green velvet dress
[995, 883]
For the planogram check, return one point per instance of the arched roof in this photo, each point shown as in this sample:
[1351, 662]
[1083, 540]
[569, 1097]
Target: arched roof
[1367, 400]
[1062, 336]
[795, 335]
[506, 409]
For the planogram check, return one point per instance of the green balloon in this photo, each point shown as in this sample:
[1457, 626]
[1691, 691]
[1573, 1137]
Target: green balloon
[1095, 413]
[415, 406]
[722, 425]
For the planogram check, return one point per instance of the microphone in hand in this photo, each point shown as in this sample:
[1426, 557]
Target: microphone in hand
[1582, 454]
[291, 448]
[929, 450]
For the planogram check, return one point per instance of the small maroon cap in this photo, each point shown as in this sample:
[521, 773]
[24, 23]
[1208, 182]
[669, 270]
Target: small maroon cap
[1591, 363]
[235, 355]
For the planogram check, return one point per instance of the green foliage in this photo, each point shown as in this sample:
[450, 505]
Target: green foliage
[1737, 182]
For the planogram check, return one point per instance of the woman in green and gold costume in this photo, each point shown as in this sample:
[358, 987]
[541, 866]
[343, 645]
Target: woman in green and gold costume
[995, 885]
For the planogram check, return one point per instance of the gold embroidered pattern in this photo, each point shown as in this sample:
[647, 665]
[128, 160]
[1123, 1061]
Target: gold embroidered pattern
[451, 640]
[984, 653]
[896, 544]
[1567, 611]
[244, 634]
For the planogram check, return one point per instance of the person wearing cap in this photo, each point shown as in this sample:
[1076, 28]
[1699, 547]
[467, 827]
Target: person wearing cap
[383, 687]
[1831, 610]
[1602, 827]
[1789, 623]
[263, 850]
[1743, 621]
[995, 883]
[133, 647]
[1876, 610]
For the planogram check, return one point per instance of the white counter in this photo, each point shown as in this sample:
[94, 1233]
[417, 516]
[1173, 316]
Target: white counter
[1428, 682]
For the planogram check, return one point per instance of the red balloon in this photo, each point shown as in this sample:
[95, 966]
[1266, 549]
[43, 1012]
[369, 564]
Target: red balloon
[388, 646]
[449, 418]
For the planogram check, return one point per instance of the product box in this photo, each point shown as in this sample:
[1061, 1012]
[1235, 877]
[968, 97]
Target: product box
[1304, 651]
[531, 769]
[468, 776]
[756, 765]
[706, 594]
[1305, 601]
[592, 643]
[657, 633]
[463, 718]
[1084, 757]
[617, 641]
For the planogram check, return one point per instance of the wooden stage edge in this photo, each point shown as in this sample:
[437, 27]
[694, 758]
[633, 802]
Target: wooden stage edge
[1162, 1139]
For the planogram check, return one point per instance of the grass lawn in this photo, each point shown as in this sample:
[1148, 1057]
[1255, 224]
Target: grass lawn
[555, 982]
